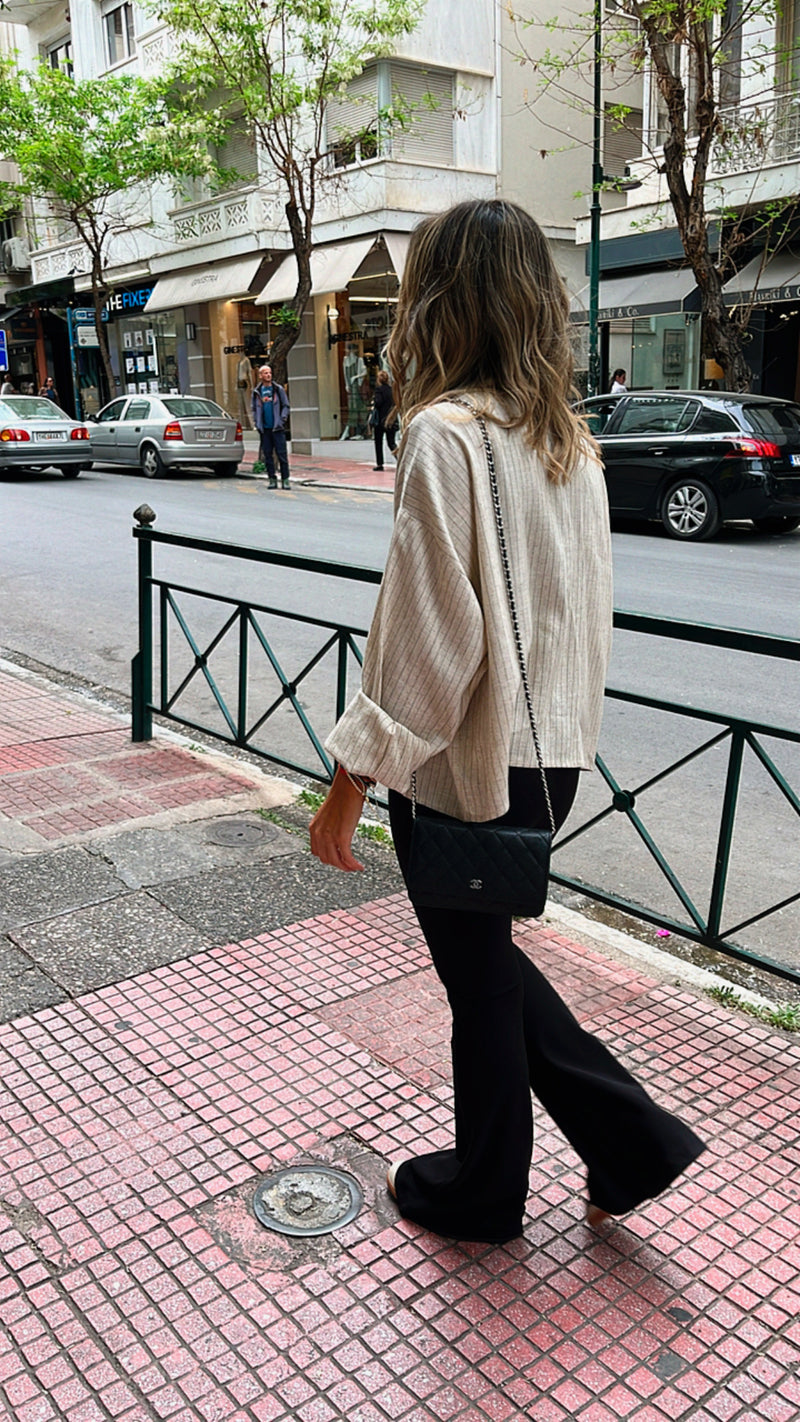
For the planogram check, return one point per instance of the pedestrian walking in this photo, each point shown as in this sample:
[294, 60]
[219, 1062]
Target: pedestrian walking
[49, 391]
[382, 403]
[482, 329]
[8, 387]
[619, 384]
[270, 407]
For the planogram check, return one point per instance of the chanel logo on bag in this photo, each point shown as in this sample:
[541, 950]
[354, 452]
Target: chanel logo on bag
[476, 883]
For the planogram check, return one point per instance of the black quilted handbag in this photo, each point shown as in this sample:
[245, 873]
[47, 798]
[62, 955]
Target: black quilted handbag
[490, 867]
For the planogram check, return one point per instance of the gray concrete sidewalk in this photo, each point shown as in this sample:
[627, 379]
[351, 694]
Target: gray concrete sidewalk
[116, 858]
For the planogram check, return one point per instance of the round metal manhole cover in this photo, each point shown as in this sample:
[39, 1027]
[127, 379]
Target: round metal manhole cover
[239, 834]
[307, 1200]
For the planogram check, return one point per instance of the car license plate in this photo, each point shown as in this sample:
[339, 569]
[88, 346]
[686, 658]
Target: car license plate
[50, 434]
[794, 459]
[211, 436]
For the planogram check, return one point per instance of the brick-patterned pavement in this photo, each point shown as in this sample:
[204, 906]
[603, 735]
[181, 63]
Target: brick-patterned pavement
[65, 769]
[136, 1285]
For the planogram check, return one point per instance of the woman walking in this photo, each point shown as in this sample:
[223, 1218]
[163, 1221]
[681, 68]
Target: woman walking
[382, 404]
[482, 328]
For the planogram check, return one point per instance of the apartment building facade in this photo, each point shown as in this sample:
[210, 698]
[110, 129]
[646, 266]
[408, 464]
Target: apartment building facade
[197, 285]
[649, 304]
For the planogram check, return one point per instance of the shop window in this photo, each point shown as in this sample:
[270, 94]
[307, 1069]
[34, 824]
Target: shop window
[118, 25]
[425, 100]
[59, 55]
[352, 121]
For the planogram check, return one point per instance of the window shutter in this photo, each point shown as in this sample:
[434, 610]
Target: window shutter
[353, 112]
[238, 151]
[428, 96]
[621, 146]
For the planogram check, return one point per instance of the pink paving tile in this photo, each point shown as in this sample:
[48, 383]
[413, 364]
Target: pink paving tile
[133, 1146]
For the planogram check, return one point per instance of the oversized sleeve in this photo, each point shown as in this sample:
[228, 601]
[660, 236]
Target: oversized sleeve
[426, 650]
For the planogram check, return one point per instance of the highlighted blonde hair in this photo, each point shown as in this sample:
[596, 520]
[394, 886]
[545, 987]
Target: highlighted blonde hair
[483, 309]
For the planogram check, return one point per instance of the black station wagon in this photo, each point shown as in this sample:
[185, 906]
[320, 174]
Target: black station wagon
[696, 458]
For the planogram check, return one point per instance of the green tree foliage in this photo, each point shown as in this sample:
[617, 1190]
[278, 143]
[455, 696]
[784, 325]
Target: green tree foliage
[274, 65]
[89, 148]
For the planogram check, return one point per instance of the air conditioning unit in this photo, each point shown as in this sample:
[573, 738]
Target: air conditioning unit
[16, 257]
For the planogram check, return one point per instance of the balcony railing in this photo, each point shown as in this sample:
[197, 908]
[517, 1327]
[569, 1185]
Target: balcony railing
[757, 135]
[246, 210]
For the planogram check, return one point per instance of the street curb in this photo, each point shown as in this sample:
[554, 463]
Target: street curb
[616, 943]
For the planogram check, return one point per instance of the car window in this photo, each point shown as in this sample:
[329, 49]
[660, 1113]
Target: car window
[598, 413]
[138, 410]
[111, 412]
[773, 419]
[28, 407]
[712, 421]
[644, 414]
[190, 408]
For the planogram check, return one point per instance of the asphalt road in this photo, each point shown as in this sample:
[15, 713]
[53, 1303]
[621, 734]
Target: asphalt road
[68, 590]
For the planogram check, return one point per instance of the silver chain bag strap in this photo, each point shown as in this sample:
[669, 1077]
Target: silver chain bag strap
[490, 867]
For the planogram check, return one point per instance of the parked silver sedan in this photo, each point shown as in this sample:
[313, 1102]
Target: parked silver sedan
[162, 432]
[36, 434]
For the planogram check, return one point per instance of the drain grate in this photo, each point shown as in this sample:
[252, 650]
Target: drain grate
[307, 1200]
[239, 834]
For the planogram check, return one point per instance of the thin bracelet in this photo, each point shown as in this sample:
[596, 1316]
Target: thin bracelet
[362, 783]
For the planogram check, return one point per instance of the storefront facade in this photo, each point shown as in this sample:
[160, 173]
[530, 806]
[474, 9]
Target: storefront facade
[769, 292]
[334, 364]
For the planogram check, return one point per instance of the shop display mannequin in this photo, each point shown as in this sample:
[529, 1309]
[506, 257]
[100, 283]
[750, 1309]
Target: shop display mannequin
[354, 371]
[244, 384]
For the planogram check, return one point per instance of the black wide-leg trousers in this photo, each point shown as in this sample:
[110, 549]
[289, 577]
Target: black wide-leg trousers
[512, 1034]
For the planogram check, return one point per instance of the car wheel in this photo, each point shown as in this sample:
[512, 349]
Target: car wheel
[778, 524]
[226, 470]
[151, 463]
[71, 471]
[690, 510]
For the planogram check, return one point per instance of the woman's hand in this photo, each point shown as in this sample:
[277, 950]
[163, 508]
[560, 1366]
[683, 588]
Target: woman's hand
[334, 825]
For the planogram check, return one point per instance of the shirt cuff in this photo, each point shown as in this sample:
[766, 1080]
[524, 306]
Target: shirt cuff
[369, 742]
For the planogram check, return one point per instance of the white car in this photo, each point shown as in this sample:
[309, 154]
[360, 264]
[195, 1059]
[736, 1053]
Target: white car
[162, 432]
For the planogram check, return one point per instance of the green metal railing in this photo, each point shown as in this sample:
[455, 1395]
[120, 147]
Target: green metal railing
[339, 643]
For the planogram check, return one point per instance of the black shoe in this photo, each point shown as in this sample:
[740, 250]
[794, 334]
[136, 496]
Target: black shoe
[284, 483]
[273, 483]
[377, 468]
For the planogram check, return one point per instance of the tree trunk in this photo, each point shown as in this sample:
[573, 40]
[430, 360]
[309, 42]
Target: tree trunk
[98, 294]
[722, 337]
[300, 229]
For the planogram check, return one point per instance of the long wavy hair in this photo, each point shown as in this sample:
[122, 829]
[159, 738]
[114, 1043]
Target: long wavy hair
[482, 308]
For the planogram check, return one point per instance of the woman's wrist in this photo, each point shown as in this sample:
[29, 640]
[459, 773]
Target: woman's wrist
[362, 783]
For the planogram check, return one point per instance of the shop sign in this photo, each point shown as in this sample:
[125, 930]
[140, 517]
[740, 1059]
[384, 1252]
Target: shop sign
[348, 336]
[233, 350]
[775, 293]
[3, 350]
[132, 299]
[87, 335]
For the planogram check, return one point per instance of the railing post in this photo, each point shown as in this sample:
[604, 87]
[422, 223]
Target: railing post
[341, 674]
[142, 665]
[726, 825]
[244, 628]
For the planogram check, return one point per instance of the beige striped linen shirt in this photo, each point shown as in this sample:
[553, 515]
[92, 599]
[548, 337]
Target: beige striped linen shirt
[441, 690]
